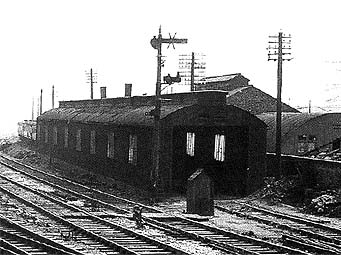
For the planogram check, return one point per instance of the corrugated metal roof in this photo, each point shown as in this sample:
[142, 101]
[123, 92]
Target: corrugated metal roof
[290, 122]
[119, 116]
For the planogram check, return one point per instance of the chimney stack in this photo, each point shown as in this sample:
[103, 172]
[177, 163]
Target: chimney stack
[127, 92]
[103, 92]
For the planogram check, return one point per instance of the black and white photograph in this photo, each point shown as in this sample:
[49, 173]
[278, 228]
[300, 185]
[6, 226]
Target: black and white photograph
[170, 127]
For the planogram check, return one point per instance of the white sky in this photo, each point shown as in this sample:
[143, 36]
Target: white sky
[53, 42]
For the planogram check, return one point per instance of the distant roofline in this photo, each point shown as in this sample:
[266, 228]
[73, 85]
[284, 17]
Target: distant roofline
[222, 75]
[152, 96]
[211, 97]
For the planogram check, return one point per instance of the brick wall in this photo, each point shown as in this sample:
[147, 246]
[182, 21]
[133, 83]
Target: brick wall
[324, 173]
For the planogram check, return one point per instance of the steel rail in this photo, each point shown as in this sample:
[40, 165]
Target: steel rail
[333, 243]
[8, 224]
[78, 184]
[213, 242]
[94, 218]
[79, 229]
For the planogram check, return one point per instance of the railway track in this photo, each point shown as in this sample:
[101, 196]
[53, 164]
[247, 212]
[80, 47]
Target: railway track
[19, 242]
[226, 241]
[70, 187]
[36, 219]
[325, 238]
[105, 236]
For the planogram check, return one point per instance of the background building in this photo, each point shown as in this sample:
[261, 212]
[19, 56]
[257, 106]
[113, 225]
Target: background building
[303, 132]
[186, 63]
[114, 136]
[242, 94]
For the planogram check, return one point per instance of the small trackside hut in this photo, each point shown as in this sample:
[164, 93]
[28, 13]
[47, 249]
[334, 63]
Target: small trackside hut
[114, 136]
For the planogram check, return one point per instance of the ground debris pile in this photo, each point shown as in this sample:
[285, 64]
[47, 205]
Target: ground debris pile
[326, 202]
[287, 189]
[5, 143]
[16, 148]
[290, 190]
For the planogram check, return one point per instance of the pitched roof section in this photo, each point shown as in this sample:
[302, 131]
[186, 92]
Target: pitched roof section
[255, 101]
[224, 82]
[106, 115]
[243, 95]
[223, 78]
[132, 110]
[188, 98]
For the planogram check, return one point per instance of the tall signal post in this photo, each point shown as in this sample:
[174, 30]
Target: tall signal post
[156, 43]
[278, 50]
[91, 76]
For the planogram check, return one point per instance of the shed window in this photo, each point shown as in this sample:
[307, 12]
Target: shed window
[66, 137]
[38, 132]
[190, 144]
[55, 135]
[34, 133]
[92, 142]
[111, 145]
[46, 135]
[306, 143]
[312, 138]
[79, 140]
[132, 157]
[219, 147]
[302, 138]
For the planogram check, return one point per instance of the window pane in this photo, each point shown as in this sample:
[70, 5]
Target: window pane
[78, 140]
[132, 157]
[66, 137]
[110, 147]
[312, 138]
[55, 135]
[92, 142]
[46, 135]
[38, 132]
[190, 144]
[219, 147]
[302, 137]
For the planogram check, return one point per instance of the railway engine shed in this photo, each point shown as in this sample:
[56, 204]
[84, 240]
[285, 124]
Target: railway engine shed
[114, 137]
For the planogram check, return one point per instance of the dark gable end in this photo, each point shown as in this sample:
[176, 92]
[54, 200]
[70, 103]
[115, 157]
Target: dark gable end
[255, 101]
[224, 82]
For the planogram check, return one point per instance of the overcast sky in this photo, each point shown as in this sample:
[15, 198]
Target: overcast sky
[53, 42]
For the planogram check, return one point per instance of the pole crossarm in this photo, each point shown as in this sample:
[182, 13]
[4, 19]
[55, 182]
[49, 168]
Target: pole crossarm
[173, 40]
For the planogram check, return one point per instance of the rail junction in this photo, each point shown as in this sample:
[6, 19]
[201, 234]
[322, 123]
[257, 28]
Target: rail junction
[62, 215]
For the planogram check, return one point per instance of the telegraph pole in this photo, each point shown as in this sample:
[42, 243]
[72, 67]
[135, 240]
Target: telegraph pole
[278, 50]
[156, 43]
[52, 96]
[38, 107]
[41, 102]
[192, 72]
[91, 79]
[33, 108]
[92, 85]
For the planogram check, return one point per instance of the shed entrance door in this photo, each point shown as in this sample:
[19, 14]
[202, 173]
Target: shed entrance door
[223, 152]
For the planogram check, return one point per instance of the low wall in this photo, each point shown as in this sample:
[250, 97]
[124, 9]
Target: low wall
[324, 173]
